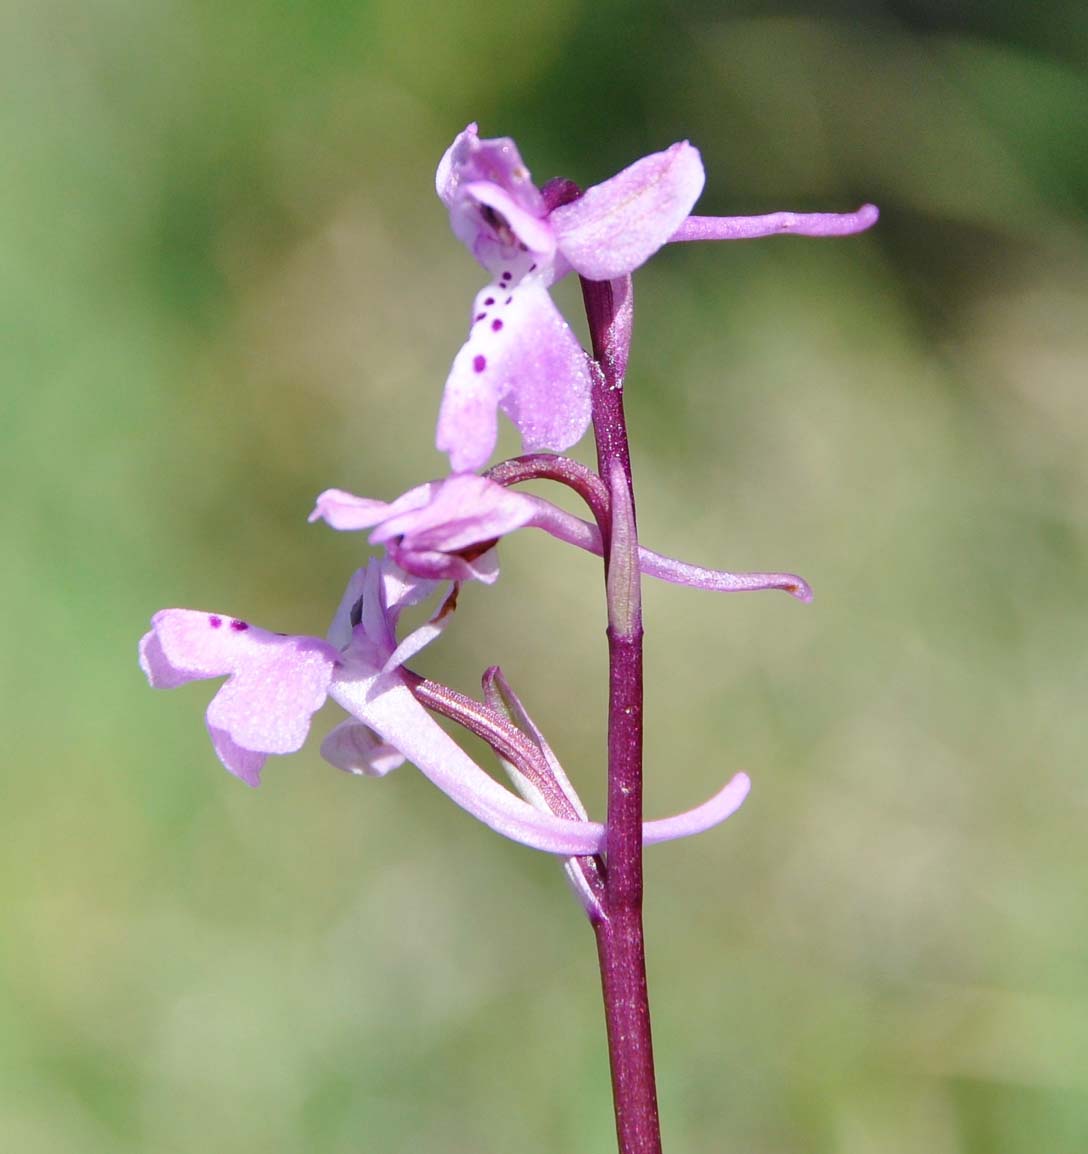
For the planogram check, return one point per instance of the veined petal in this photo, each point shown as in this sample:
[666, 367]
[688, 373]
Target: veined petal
[616, 226]
[797, 223]
[521, 356]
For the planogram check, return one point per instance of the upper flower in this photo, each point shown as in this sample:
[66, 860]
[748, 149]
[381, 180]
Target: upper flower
[521, 356]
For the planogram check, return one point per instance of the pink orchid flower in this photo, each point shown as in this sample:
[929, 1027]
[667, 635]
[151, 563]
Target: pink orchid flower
[275, 683]
[447, 530]
[443, 530]
[521, 356]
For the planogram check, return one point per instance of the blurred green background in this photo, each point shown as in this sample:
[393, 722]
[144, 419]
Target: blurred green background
[226, 284]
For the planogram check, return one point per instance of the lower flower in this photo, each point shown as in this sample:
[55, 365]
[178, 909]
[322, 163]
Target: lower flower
[276, 682]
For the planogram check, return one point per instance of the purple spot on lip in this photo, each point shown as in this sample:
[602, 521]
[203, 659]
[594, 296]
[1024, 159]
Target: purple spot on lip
[496, 325]
[479, 363]
[508, 300]
[215, 622]
[480, 316]
[506, 275]
[489, 301]
[239, 626]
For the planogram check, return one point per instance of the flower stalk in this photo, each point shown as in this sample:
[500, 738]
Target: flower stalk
[619, 931]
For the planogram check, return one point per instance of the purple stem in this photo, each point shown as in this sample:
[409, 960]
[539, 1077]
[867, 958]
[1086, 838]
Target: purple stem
[620, 942]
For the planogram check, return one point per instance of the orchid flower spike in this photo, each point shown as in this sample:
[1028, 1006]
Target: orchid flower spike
[446, 530]
[521, 356]
[275, 683]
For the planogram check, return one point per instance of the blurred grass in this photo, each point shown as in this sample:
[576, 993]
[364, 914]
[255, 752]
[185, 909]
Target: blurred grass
[226, 285]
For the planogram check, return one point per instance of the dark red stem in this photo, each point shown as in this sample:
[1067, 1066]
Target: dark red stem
[620, 943]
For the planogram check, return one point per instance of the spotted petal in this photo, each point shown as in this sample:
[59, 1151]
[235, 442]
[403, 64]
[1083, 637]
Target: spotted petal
[522, 357]
[275, 683]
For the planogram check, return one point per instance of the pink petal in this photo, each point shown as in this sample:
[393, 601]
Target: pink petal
[275, 682]
[375, 597]
[340, 628]
[243, 763]
[533, 232]
[187, 645]
[447, 176]
[495, 208]
[521, 356]
[434, 566]
[463, 511]
[268, 702]
[418, 639]
[344, 510]
[494, 160]
[797, 223]
[161, 673]
[399, 590]
[619, 224]
[353, 747]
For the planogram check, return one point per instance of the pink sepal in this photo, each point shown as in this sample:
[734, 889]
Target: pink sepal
[618, 225]
[355, 748]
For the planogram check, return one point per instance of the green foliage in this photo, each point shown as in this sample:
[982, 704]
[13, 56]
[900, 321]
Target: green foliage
[227, 285]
